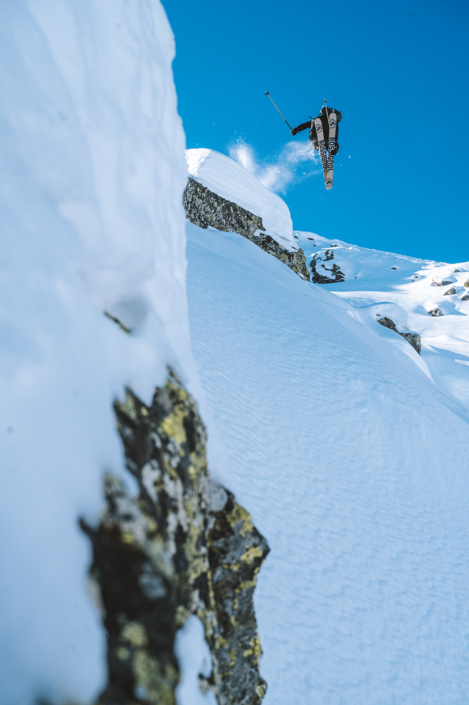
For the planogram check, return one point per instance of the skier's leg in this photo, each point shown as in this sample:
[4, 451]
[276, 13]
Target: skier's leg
[321, 144]
[331, 145]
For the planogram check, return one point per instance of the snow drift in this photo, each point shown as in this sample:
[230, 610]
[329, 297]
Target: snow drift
[92, 173]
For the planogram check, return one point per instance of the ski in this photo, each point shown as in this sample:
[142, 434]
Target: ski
[321, 144]
[331, 148]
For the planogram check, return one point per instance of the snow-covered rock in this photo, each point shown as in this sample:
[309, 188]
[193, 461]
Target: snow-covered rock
[207, 209]
[233, 182]
[407, 290]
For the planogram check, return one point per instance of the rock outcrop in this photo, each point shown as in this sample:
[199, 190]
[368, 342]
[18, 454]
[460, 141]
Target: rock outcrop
[445, 282]
[436, 312]
[334, 272]
[207, 209]
[413, 339]
[182, 546]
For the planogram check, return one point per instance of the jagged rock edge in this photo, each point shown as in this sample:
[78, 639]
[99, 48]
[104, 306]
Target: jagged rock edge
[207, 209]
[170, 552]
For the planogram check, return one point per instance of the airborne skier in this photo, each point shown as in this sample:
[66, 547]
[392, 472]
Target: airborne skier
[323, 133]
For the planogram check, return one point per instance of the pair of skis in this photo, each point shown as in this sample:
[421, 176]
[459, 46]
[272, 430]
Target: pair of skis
[327, 159]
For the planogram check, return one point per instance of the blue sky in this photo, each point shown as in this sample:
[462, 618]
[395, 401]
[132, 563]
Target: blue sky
[397, 71]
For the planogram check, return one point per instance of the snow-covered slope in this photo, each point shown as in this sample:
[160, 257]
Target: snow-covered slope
[92, 172]
[232, 181]
[352, 460]
[406, 290]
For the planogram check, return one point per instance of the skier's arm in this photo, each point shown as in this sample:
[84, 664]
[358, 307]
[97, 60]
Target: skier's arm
[300, 128]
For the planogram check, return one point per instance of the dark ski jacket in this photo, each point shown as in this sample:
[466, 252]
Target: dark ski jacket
[325, 124]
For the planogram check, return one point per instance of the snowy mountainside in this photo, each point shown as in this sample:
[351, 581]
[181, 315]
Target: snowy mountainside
[351, 449]
[431, 298]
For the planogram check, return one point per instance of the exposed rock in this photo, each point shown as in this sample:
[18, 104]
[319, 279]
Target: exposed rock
[387, 323]
[436, 312]
[466, 284]
[320, 277]
[393, 267]
[457, 270]
[465, 297]
[449, 292]
[236, 552]
[446, 282]
[176, 549]
[412, 338]
[206, 208]
[119, 323]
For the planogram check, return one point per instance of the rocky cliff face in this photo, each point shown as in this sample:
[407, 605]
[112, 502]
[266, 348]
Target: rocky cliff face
[206, 208]
[182, 546]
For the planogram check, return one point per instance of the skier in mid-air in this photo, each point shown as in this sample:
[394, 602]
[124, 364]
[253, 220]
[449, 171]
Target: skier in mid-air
[323, 133]
[324, 116]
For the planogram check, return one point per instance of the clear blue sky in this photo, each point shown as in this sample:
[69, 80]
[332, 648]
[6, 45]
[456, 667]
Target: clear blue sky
[397, 71]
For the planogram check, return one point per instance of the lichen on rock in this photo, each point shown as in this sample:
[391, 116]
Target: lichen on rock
[236, 552]
[171, 552]
[207, 209]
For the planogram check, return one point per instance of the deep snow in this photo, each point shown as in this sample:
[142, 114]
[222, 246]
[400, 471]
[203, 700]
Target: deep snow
[354, 465]
[92, 175]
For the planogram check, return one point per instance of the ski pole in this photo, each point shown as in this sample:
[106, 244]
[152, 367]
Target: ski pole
[327, 114]
[267, 93]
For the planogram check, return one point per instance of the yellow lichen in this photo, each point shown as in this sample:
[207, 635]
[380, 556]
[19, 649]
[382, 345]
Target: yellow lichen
[135, 633]
[240, 514]
[173, 425]
[158, 687]
[251, 554]
[128, 537]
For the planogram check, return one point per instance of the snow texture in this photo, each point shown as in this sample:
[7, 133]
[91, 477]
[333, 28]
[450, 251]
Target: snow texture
[403, 289]
[194, 658]
[232, 181]
[92, 175]
[353, 463]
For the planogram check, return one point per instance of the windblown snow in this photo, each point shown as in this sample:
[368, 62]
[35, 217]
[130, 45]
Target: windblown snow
[351, 451]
